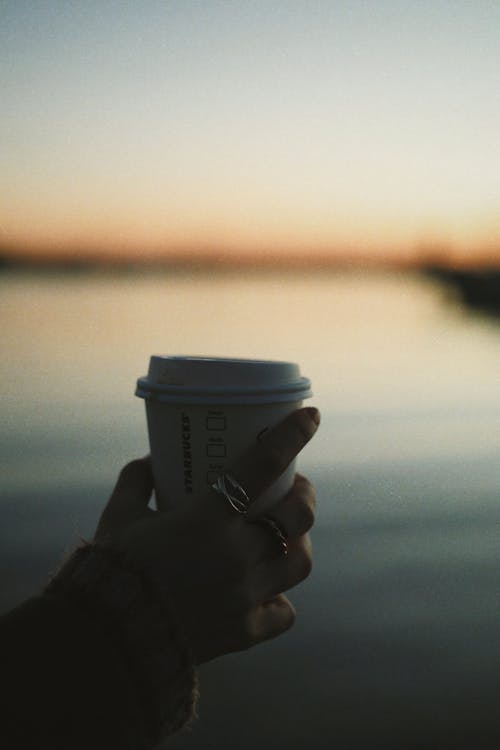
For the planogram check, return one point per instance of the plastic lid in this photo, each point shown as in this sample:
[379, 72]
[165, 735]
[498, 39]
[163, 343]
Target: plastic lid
[210, 380]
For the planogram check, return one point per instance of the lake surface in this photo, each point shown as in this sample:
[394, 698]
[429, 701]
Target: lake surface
[397, 640]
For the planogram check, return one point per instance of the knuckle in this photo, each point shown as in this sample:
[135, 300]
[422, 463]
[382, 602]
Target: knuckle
[257, 626]
[305, 518]
[312, 495]
[290, 618]
[306, 488]
[305, 564]
[130, 469]
[136, 473]
[286, 615]
[249, 634]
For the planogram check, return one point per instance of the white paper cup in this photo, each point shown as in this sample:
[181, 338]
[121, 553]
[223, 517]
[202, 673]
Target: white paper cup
[204, 413]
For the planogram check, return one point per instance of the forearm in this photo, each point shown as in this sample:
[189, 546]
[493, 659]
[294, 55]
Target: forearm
[96, 661]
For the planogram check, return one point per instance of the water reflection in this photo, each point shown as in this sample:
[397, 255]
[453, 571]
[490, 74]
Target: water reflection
[398, 626]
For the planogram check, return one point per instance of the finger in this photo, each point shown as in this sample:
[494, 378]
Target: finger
[256, 539]
[273, 576]
[130, 497]
[273, 453]
[262, 622]
[294, 514]
[276, 616]
[268, 620]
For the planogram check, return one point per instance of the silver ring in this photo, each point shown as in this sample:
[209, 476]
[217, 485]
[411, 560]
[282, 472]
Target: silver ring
[277, 531]
[228, 487]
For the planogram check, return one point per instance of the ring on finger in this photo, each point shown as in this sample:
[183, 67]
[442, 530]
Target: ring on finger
[278, 532]
[227, 486]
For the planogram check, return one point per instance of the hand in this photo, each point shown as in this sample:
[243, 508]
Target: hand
[224, 573]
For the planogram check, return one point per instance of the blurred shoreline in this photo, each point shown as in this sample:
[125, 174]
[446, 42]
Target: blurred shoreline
[194, 262]
[475, 288]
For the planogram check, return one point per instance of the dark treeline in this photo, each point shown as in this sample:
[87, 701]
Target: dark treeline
[477, 289]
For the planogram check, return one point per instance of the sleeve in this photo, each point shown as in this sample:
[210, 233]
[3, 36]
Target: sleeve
[98, 660]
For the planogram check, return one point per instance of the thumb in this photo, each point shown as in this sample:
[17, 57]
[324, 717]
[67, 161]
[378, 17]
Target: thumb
[130, 497]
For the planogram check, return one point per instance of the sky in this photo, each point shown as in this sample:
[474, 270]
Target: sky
[351, 128]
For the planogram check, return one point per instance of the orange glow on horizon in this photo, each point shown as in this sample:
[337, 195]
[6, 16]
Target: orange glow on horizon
[343, 131]
[121, 250]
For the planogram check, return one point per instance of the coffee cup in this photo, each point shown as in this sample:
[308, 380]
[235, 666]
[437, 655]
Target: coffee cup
[204, 413]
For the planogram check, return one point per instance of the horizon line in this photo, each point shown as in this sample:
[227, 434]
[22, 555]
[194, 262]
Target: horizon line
[56, 256]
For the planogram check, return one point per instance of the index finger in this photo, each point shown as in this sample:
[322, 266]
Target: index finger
[273, 453]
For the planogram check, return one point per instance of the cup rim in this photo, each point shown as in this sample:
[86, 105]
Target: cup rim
[278, 393]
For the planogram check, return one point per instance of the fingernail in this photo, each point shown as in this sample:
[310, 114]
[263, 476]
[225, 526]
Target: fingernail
[314, 414]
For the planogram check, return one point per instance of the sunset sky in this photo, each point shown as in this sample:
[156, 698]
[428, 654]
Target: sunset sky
[345, 127]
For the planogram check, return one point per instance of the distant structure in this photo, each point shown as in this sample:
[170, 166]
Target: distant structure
[477, 288]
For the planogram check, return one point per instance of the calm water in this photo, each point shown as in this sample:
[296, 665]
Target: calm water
[397, 640]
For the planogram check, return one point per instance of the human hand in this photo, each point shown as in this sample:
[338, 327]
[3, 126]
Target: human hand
[224, 572]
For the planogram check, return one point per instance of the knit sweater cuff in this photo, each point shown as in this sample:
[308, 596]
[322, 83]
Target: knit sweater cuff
[142, 626]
